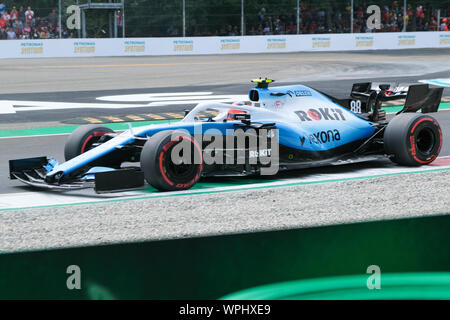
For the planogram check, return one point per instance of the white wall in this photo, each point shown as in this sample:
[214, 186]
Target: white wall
[220, 45]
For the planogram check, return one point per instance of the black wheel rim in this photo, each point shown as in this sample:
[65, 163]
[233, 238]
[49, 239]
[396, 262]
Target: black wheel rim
[92, 138]
[425, 141]
[180, 173]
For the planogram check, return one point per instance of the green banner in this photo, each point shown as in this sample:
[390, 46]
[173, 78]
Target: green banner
[214, 267]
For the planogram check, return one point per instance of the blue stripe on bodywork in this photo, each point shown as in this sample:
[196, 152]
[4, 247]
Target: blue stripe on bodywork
[127, 137]
[93, 154]
[304, 138]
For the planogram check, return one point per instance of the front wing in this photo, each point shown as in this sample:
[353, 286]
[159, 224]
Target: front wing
[33, 171]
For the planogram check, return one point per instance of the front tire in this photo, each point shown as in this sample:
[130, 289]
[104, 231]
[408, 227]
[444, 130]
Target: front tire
[413, 139]
[82, 139]
[159, 169]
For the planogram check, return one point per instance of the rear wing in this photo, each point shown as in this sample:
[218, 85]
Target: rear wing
[366, 97]
[418, 96]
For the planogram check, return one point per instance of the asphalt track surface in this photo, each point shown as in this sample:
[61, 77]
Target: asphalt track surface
[26, 118]
[84, 80]
[116, 73]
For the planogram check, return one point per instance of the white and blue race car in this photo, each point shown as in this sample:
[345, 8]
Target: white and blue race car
[293, 127]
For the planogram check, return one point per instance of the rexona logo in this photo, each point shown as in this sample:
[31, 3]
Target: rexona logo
[299, 93]
[321, 114]
[323, 137]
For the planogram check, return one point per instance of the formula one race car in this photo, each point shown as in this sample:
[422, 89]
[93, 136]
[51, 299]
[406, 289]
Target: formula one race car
[286, 127]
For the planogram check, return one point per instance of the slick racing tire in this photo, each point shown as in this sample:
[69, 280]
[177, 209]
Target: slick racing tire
[159, 169]
[413, 139]
[82, 139]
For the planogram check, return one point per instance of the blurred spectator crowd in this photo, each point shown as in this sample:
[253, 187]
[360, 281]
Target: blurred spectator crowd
[314, 20]
[418, 18]
[337, 20]
[22, 23]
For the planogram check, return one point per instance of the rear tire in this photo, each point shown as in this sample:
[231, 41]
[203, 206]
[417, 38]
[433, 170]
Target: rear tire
[159, 169]
[413, 139]
[82, 138]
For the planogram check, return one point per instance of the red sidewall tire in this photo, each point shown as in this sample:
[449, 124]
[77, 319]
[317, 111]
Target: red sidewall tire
[413, 139]
[82, 138]
[157, 165]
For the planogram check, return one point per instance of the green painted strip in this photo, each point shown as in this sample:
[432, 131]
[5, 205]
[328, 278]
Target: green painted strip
[69, 129]
[124, 125]
[396, 286]
[168, 195]
[392, 109]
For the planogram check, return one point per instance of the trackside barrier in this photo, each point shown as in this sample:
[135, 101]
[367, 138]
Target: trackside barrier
[221, 45]
[212, 267]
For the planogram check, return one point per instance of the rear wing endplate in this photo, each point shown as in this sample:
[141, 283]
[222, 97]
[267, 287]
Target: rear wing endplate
[421, 96]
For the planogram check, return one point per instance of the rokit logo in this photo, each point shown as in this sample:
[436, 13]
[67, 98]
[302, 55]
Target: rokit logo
[260, 153]
[321, 113]
[323, 137]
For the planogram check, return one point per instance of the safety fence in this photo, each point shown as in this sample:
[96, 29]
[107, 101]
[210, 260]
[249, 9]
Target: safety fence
[176, 18]
[221, 45]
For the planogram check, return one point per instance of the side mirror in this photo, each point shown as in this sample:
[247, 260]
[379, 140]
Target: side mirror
[254, 95]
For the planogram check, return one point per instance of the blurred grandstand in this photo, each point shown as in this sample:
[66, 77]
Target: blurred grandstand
[148, 18]
[21, 22]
